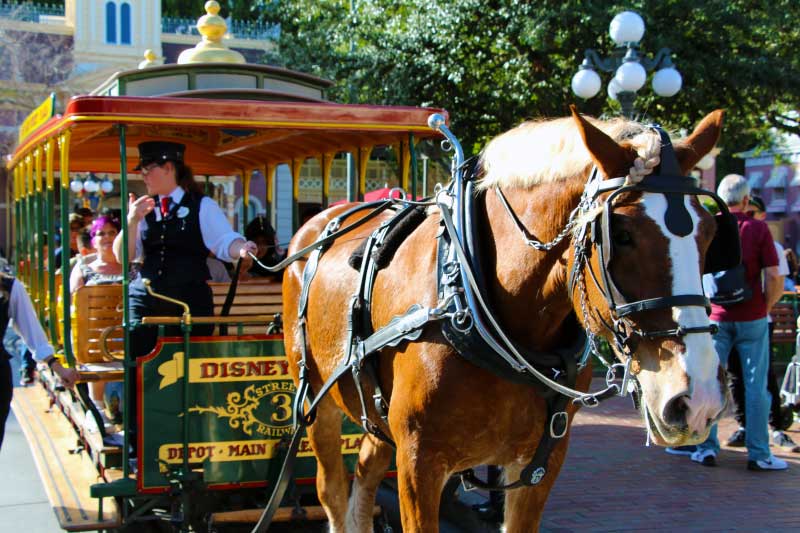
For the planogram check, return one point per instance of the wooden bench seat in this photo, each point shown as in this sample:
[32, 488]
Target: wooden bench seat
[99, 307]
[254, 299]
[784, 319]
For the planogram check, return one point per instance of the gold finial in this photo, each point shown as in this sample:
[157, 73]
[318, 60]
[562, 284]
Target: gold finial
[149, 59]
[211, 50]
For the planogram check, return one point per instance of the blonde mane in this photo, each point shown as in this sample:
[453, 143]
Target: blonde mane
[545, 151]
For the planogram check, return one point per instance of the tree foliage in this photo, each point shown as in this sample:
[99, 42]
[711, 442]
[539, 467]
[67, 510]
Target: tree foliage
[495, 63]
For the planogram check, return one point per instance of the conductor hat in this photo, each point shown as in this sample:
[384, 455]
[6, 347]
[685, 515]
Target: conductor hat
[159, 152]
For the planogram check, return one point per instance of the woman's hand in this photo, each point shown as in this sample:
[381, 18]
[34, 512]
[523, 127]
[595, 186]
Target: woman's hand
[69, 376]
[138, 208]
[246, 249]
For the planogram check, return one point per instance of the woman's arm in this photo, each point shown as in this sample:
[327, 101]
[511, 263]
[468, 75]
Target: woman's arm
[27, 325]
[76, 277]
[219, 237]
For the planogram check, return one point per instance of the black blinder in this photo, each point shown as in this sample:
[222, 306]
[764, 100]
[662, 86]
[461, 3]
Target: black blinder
[725, 251]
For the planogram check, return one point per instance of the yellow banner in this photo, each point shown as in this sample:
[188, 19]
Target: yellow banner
[219, 369]
[243, 450]
[38, 116]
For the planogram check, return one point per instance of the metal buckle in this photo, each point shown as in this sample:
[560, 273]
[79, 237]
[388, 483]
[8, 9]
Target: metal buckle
[558, 415]
[588, 400]
[462, 321]
[611, 376]
[537, 475]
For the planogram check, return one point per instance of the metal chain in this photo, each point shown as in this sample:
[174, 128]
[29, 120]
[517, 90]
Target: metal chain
[547, 246]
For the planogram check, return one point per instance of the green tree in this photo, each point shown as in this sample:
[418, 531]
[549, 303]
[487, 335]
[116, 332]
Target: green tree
[494, 63]
[238, 9]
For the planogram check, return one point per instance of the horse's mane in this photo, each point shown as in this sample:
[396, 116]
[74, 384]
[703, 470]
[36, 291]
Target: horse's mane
[545, 151]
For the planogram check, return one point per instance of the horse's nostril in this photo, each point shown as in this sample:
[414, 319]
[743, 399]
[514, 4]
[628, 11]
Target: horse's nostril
[675, 410]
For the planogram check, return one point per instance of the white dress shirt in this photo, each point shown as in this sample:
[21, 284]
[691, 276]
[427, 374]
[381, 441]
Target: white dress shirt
[214, 226]
[26, 323]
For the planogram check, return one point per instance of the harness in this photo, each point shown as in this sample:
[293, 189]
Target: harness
[468, 322]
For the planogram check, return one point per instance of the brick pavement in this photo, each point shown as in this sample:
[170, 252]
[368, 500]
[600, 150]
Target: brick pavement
[612, 482]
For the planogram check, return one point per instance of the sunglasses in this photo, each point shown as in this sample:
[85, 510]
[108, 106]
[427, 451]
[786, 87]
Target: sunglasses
[106, 234]
[149, 168]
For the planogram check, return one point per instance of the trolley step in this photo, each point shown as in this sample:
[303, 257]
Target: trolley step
[283, 514]
[66, 476]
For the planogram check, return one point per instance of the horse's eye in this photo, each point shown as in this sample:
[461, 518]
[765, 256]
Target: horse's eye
[622, 238]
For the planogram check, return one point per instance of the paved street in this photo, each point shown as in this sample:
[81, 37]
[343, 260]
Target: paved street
[610, 482]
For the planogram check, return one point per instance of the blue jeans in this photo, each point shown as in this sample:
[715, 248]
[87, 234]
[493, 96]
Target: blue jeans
[751, 340]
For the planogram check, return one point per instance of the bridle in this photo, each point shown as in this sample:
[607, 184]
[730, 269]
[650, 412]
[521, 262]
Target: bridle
[590, 227]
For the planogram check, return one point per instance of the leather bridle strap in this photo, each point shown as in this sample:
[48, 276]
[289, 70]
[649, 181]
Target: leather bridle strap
[678, 300]
[377, 208]
[226, 307]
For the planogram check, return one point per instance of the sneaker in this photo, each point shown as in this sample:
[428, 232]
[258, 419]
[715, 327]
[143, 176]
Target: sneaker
[682, 450]
[771, 463]
[737, 439]
[784, 441]
[705, 457]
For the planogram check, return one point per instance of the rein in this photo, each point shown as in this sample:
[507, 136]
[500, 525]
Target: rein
[463, 305]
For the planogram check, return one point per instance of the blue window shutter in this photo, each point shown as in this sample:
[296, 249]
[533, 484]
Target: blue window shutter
[125, 23]
[111, 23]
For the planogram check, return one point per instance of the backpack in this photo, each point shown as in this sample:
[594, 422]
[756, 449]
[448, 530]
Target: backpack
[728, 287]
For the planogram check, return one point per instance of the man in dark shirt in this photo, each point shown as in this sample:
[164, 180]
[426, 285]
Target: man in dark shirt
[744, 326]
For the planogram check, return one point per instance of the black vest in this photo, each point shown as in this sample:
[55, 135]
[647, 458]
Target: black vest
[8, 284]
[174, 251]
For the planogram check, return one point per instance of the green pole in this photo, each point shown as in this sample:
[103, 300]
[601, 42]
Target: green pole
[26, 225]
[129, 365]
[65, 292]
[40, 225]
[413, 151]
[50, 218]
[18, 219]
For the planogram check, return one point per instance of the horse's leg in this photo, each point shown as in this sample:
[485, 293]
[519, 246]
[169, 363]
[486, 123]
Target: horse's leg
[325, 437]
[420, 480]
[524, 506]
[373, 462]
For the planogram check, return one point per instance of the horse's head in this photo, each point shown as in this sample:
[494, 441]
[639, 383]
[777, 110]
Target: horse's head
[649, 249]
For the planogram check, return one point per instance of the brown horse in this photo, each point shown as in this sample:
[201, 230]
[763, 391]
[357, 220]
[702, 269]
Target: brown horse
[447, 415]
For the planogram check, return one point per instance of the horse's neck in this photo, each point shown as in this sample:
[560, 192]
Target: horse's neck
[529, 288]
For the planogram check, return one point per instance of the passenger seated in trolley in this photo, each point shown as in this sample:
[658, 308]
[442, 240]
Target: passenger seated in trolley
[103, 269]
[260, 231]
[172, 230]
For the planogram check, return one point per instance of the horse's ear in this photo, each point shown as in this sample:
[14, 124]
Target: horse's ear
[702, 140]
[611, 158]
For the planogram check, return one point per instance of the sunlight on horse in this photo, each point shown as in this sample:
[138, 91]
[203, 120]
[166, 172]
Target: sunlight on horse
[447, 415]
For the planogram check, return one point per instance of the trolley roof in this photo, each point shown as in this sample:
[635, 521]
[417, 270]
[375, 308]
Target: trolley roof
[223, 136]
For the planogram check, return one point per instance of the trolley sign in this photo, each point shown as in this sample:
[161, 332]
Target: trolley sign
[37, 117]
[240, 409]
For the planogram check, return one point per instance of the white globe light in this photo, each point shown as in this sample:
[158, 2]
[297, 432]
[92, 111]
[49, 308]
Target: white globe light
[107, 186]
[76, 186]
[90, 186]
[586, 83]
[627, 27]
[667, 82]
[613, 88]
[631, 76]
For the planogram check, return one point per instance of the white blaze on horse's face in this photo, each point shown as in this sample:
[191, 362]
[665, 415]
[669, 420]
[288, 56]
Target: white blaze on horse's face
[701, 391]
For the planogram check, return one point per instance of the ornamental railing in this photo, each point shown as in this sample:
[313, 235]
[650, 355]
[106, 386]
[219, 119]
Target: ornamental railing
[29, 11]
[236, 28]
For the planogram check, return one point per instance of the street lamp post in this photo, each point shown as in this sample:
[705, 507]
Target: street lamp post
[630, 68]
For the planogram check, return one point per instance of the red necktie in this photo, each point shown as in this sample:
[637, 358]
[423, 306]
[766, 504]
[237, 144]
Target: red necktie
[164, 206]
